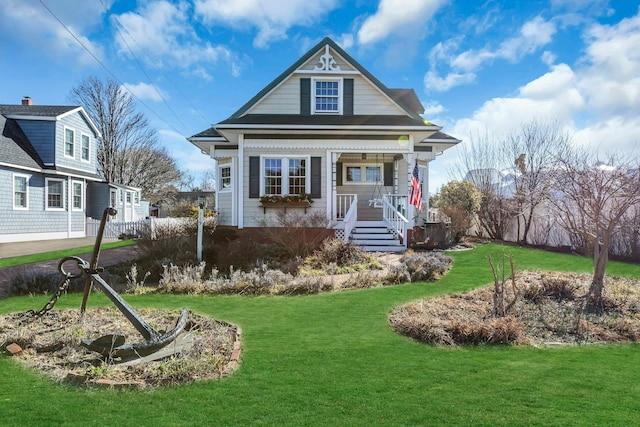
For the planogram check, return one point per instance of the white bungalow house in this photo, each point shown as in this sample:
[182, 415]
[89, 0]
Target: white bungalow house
[329, 129]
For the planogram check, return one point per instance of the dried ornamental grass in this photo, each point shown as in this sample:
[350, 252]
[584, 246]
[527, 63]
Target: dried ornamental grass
[549, 310]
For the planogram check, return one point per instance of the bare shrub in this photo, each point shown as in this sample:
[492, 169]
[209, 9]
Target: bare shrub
[419, 266]
[295, 234]
[500, 304]
[336, 257]
[559, 289]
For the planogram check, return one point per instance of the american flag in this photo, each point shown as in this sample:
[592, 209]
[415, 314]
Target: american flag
[416, 193]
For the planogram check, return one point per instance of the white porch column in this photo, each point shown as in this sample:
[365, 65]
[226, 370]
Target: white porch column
[332, 159]
[240, 175]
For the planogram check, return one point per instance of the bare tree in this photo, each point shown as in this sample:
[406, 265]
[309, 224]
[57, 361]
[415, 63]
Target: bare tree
[593, 200]
[534, 150]
[482, 162]
[128, 150]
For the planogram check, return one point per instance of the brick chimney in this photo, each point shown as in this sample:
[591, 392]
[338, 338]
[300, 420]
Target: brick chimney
[27, 100]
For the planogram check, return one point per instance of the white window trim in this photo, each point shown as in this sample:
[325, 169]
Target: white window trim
[136, 197]
[64, 143]
[313, 95]
[88, 160]
[46, 195]
[285, 178]
[13, 186]
[113, 197]
[220, 180]
[73, 195]
[363, 173]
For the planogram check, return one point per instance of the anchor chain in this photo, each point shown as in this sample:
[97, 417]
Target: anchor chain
[62, 287]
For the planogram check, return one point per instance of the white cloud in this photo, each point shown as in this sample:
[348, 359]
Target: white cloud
[552, 96]
[144, 91]
[398, 17]
[598, 100]
[161, 34]
[432, 108]
[548, 58]
[187, 156]
[433, 82]
[532, 35]
[611, 78]
[29, 20]
[272, 21]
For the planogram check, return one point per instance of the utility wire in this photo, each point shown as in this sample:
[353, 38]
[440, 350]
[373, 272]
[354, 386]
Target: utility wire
[118, 26]
[107, 68]
[144, 71]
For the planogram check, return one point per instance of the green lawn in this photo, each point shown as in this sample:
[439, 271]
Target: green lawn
[332, 360]
[46, 256]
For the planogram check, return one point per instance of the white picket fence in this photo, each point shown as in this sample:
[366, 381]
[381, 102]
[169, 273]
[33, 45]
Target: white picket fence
[151, 227]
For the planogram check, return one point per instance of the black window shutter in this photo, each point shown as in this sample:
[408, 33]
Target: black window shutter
[305, 97]
[254, 177]
[388, 174]
[316, 177]
[338, 173]
[347, 98]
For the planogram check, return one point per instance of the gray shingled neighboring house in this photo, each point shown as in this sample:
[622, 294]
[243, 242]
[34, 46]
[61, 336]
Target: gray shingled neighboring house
[48, 158]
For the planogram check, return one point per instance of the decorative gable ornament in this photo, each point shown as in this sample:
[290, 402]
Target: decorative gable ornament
[327, 63]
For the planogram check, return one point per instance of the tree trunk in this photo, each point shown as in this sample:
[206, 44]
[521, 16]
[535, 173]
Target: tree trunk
[600, 258]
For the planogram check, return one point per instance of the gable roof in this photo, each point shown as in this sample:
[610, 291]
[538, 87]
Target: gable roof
[45, 112]
[36, 110]
[402, 97]
[16, 148]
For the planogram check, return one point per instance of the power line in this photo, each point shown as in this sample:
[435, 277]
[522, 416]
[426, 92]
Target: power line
[107, 68]
[186, 98]
[144, 71]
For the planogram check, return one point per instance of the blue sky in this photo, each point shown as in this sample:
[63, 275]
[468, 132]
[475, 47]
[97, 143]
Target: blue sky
[478, 67]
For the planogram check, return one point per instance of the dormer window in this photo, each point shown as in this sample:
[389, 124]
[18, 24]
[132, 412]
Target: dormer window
[327, 96]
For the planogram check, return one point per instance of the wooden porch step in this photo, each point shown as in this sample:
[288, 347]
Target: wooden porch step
[374, 236]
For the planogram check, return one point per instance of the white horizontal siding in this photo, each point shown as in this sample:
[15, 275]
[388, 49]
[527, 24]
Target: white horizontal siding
[368, 100]
[285, 99]
[224, 208]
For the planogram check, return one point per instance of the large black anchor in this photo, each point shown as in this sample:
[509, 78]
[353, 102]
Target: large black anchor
[113, 346]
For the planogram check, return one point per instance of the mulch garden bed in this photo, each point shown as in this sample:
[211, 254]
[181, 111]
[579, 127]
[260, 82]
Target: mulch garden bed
[549, 310]
[51, 344]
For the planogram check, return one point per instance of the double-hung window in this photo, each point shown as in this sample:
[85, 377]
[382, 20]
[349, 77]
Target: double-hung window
[286, 175]
[78, 195]
[69, 136]
[224, 175]
[55, 193]
[327, 96]
[20, 191]
[85, 141]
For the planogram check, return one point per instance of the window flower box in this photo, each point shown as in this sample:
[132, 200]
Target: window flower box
[289, 201]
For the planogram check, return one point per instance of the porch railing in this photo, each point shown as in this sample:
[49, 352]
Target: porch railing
[344, 202]
[393, 211]
[345, 215]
